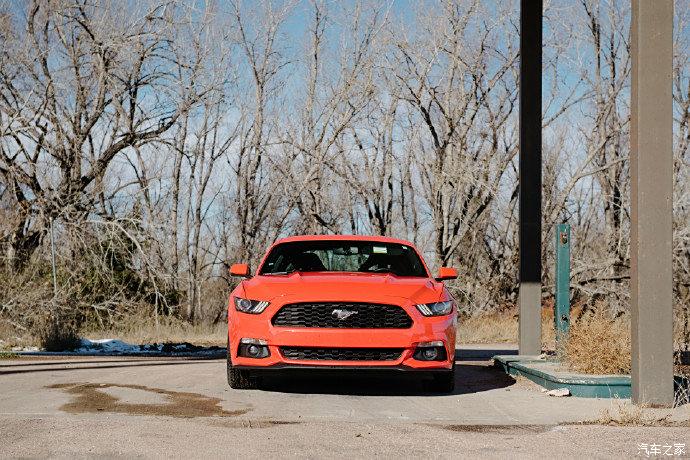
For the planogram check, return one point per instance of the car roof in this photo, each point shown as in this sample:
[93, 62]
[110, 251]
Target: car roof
[374, 238]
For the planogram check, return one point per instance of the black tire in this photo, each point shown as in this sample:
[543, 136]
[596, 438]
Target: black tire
[239, 379]
[443, 382]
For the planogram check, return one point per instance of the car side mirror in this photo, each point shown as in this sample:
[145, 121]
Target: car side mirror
[446, 273]
[239, 270]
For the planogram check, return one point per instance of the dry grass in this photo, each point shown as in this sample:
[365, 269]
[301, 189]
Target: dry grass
[598, 344]
[491, 328]
[502, 328]
[143, 330]
[13, 336]
[624, 415]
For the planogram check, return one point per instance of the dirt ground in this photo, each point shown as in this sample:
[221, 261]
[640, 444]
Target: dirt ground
[174, 407]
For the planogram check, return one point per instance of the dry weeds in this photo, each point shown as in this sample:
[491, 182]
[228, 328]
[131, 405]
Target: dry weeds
[501, 327]
[490, 328]
[143, 330]
[598, 344]
[627, 414]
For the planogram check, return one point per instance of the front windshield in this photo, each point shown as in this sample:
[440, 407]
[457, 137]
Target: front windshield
[343, 256]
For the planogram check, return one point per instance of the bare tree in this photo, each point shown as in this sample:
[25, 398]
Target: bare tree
[258, 216]
[333, 98]
[168, 139]
[462, 85]
[681, 169]
[80, 85]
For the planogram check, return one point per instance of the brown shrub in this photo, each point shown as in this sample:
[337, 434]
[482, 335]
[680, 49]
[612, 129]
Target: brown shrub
[598, 344]
[56, 331]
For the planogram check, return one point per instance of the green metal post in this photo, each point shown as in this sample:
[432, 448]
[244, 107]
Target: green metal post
[562, 306]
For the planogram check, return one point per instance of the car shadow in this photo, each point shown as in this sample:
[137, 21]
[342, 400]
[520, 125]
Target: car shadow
[474, 374]
[482, 354]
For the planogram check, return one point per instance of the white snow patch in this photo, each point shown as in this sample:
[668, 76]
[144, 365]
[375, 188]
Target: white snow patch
[110, 346]
[90, 347]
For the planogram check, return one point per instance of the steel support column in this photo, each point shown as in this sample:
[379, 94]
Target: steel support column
[530, 176]
[651, 167]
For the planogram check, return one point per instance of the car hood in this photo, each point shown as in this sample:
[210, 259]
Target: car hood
[347, 287]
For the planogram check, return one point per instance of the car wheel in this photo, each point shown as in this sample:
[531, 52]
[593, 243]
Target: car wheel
[239, 379]
[444, 382]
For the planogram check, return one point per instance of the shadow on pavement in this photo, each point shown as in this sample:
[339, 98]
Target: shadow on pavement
[473, 375]
[469, 378]
[484, 354]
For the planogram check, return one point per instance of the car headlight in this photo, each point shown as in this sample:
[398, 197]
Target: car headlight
[250, 306]
[436, 308]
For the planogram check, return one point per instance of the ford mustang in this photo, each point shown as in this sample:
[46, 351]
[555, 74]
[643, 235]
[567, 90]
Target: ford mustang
[341, 302]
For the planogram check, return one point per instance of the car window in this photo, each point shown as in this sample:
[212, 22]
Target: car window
[344, 256]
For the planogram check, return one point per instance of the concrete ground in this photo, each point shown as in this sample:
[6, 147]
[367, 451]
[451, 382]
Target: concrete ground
[181, 407]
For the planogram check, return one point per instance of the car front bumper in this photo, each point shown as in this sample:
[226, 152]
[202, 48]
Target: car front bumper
[424, 329]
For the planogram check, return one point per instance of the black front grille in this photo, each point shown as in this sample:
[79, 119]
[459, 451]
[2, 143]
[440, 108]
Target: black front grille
[365, 316]
[341, 354]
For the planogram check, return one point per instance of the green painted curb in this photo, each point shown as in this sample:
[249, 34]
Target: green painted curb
[581, 385]
[505, 361]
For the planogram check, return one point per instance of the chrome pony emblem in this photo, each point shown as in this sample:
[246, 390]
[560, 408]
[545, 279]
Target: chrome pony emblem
[342, 314]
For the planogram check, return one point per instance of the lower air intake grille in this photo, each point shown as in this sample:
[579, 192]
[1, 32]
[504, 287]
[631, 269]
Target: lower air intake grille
[341, 354]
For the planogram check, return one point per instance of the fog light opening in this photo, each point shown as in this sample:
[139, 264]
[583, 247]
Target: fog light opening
[430, 351]
[253, 348]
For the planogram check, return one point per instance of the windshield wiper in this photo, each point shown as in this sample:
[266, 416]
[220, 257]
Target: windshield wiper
[280, 273]
[382, 270]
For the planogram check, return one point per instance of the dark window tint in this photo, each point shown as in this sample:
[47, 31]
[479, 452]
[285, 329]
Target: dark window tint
[344, 256]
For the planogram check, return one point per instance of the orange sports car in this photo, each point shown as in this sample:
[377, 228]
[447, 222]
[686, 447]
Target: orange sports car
[341, 302]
